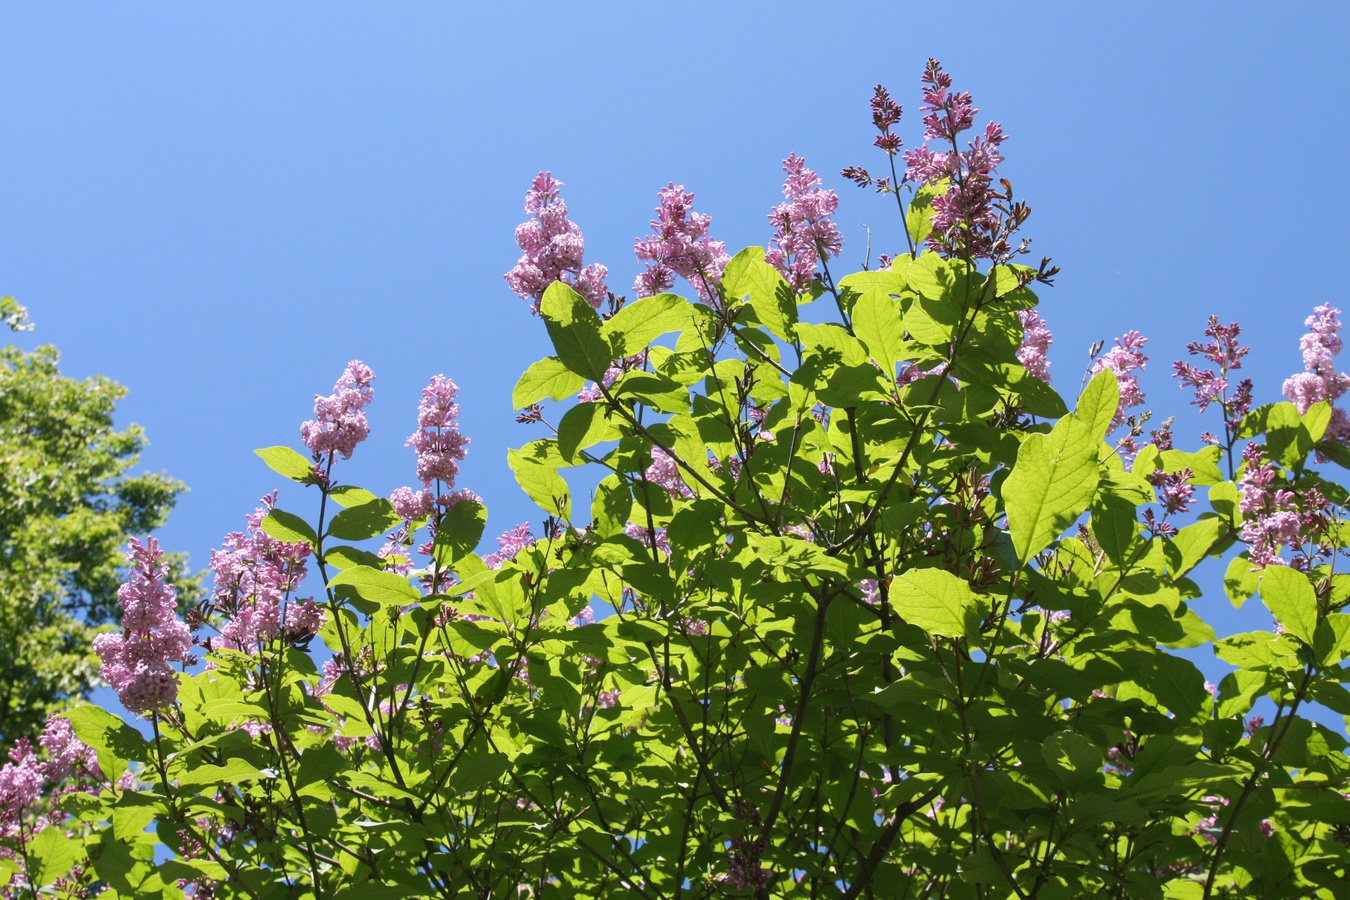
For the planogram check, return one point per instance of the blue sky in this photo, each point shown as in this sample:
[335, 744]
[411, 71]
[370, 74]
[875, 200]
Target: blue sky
[219, 206]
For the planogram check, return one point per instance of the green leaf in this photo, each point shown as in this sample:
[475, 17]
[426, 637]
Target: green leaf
[547, 379]
[638, 324]
[460, 531]
[1287, 440]
[937, 601]
[877, 323]
[378, 587]
[542, 484]
[478, 769]
[113, 740]
[576, 331]
[1290, 598]
[286, 462]
[1240, 582]
[368, 520]
[1196, 540]
[583, 426]
[288, 527]
[919, 214]
[1052, 483]
[747, 275]
[795, 554]
[347, 496]
[1098, 404]
[612, 505]
[55, 854]
[1115, 528]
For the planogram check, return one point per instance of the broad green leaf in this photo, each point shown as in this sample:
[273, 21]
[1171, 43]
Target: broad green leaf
[113, 740]
[920, 212]
[611, 506]
[747, 275]
[347, 496]
[576, 331]
[1287, 440]
[55, 855]
[460, 531]
[367, 520]
[288, 527]
[638, 324]
[1240, 582]
[877, 323]
[386, 588]
[542, 484]
[1332, 639]
[795, 554]
[547, 379]
[1098, 404]
[1316, 420]
[583, 426]
[1289, 596]
[1115, 528]
[937, 601]
[286, 462]
[1196, 541]
[1051, 485]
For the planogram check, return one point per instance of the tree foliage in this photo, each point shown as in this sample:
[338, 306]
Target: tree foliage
[67, 506]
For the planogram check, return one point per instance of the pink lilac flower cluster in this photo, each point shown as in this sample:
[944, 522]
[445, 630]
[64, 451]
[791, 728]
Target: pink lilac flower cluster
[664, 472]
[1036, 341]
[439, 445]
[20, 788]
[806, 235]
[553, 249]
[1124, 359]
[1321, 381]
[680, 248]
[1211, 385]
[1272, 517]
[255, 575]
[339, 422]
[511, 543]
[67, 755]
[964, 218]
[885, 113]
[137, 663]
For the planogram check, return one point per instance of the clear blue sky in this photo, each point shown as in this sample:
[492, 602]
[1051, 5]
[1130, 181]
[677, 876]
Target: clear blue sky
[218, 206]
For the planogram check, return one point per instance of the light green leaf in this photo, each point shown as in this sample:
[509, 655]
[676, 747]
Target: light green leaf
[55, 854]
[795, 554]
[460, 531]
[576, 331]
[1290, 598]
[1051, 485]
[367, 520]
[1098, 404]
[638, 324]
[286, 462]
[583, 426]
[288, 527]
[747, 275]
[937, 601]
[378, 587]
[542, 484]
[1240, 582]
[113, 740]
[547, 379]
[877, 323]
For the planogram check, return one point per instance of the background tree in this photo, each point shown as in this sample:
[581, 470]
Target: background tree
[67, 506]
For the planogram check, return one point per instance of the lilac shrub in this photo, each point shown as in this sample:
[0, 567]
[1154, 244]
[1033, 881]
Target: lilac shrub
[855, 608]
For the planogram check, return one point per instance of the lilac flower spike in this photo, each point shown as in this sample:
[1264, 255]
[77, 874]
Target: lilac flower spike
[1321, 381]
[553, 249]
[1036, 341]
[806, 234]
[439, 445]
[1124, 359]
[339, 422]
[138, 662]
[681, 247]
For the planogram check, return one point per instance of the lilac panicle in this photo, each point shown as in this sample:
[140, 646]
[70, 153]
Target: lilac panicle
[255, 576]
[552, 248]
[680, 248]
[339, 422]
[511, 543]
[964, 219]
[20, 787]
[806, 234]
[137, 663]
[1036, 341]
[439, 445]
[1272, 520]
[1321, 381]
[1212, 385]
[1124, 359]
